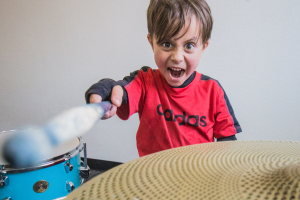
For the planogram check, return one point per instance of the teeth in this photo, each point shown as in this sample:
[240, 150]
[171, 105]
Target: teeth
[176, 69]
[181, 73]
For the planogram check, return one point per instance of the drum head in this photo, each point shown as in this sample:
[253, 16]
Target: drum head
[57, 151]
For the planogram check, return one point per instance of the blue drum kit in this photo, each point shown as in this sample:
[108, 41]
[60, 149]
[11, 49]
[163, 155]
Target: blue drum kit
[43, 163]
[54, 178]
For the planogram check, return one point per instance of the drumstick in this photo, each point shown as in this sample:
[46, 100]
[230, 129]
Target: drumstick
[32, 146]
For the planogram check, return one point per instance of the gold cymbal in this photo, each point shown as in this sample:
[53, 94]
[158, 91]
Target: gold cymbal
[221, 170]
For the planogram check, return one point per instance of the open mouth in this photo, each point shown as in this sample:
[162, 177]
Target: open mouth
[176, 72]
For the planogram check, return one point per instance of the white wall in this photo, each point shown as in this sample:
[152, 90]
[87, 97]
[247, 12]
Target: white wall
[52, 51]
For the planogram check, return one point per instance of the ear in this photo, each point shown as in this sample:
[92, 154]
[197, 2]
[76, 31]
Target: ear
[150, 40]
[205, 46]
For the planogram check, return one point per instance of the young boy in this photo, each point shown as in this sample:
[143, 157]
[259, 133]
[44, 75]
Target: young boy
[177, 106]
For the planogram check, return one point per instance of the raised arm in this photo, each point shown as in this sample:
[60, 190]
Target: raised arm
[110, 90]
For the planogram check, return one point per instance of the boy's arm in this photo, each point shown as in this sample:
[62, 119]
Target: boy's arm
[105, 86]
[110, 90]
[226, 125]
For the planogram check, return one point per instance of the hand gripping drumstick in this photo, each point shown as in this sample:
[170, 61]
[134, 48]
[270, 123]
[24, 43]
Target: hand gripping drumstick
[30, 147]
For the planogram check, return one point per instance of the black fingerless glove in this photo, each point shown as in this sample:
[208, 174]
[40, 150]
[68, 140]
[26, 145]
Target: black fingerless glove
[104, 88]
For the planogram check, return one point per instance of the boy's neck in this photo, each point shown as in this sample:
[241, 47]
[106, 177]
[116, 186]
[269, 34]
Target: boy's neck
[187, 81]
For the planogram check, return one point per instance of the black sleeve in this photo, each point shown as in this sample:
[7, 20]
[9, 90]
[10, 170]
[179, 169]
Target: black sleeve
[104, 87]
[229, 138]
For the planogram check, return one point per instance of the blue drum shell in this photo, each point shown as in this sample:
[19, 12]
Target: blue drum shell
[21, 184]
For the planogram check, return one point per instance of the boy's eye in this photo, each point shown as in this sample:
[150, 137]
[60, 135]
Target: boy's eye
[189, 46]
[167, 44]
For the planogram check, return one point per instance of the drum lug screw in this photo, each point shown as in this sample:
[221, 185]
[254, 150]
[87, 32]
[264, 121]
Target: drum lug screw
[4, 181]
[68, 167]
[70, 186]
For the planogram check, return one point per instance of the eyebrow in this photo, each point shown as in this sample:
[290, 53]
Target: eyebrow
[193, 39]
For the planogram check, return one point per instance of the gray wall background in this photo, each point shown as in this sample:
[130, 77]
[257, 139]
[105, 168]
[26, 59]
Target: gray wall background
[52, 51]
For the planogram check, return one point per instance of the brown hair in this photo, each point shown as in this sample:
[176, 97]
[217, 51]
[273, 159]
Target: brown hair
[167, 17]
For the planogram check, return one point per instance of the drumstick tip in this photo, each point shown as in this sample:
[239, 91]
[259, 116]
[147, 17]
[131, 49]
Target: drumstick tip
[32, 146]
[27, 148]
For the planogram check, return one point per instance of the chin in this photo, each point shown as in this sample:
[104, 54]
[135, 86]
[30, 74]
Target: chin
[175, 84]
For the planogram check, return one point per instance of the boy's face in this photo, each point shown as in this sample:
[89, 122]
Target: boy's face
[177, 58]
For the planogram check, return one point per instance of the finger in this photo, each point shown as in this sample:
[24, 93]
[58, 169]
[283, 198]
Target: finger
[111, 112]
[95, 98]
[117, 95]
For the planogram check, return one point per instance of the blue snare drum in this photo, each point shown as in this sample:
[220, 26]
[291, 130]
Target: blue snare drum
[55, 178]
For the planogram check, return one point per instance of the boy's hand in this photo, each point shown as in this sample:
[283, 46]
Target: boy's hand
[116, 99]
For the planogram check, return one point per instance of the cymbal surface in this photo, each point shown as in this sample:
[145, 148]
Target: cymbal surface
[221, 170]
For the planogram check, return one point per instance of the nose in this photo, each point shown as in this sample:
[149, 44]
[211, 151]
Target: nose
[177, 55]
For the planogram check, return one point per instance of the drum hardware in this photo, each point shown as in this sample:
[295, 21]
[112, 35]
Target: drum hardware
[85, 154]
[40, 186]
[68, 166]
[2, 170]
[70, 186]
[4, 181]
[84, 169]
[7, 198]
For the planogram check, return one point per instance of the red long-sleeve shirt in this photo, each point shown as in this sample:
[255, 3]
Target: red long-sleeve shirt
[173, 117]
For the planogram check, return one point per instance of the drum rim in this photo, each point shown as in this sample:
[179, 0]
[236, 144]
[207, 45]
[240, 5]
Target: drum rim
[7, 169]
